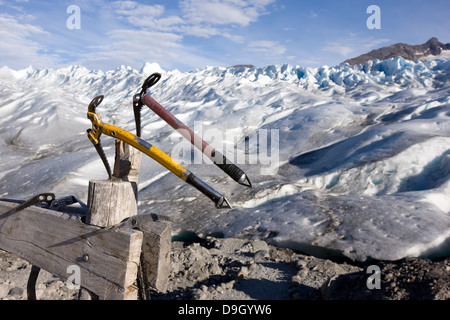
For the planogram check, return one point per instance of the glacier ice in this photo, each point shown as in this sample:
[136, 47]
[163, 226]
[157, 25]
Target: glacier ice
[364, 151]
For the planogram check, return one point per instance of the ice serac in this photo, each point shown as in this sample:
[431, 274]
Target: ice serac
[362, 167]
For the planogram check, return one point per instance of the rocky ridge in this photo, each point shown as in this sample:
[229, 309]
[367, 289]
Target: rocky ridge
[406, 51]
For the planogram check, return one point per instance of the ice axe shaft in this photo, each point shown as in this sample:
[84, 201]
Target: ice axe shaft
[218, 158]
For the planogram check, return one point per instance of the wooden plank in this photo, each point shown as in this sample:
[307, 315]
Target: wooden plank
[53, 241]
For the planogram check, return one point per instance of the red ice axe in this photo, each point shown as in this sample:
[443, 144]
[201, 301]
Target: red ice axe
[218, 158]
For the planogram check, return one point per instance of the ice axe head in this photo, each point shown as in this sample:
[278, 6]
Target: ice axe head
[137, 102]
[95, 103]
[94, 133]
[150, 81]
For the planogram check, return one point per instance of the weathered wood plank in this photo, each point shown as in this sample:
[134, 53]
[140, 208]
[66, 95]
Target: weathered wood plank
[53, 241]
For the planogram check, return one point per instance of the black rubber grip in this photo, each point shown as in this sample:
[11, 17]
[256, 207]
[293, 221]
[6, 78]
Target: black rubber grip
[228, 167]
[203, 187]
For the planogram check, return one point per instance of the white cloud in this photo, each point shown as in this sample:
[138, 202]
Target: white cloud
[199, 18]
[313, 14]
[19, 48]
[134, 47]
[336, 47]
[224, 12]
[272, 48]
[140, 32]
[136, 10]
[375, 43]
[133, 10]
[195, 14]
[353, 44]
[144, 16]
[156, 21]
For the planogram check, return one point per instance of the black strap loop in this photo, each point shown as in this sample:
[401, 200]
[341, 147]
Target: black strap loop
[150, 82]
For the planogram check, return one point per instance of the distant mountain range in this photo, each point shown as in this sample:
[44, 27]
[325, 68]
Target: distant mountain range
[410, 52]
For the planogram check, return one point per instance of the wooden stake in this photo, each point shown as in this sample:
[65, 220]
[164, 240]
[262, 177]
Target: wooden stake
[127, 162]
[110, 202]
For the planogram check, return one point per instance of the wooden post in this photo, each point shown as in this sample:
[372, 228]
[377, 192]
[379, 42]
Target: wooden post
[110, 202]
[156, 247]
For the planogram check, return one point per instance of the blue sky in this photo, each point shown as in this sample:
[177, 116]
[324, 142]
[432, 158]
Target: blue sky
[191, 34]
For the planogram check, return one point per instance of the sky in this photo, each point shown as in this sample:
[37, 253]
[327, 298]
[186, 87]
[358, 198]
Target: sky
[192, 34]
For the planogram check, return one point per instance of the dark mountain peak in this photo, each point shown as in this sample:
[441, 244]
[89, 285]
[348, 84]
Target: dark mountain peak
[237, 66]
[410, 52]
[432, 41]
